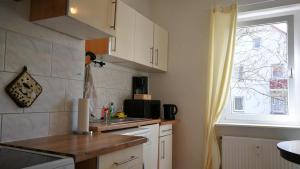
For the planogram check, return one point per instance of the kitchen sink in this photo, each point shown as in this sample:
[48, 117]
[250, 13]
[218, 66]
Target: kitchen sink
[118, 121]
[16, 158]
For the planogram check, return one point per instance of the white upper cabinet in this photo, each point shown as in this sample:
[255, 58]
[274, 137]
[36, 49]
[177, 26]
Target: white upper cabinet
[96, 13]
[151, 43]
[143, 40]
[138, 43]
[160, 48]
[124, 40]
[88, 19]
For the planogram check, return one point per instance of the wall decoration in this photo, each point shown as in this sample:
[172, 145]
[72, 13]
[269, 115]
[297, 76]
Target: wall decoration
[24, 89]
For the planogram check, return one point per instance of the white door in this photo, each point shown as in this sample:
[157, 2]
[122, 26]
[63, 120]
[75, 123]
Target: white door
[165, 152]
[161, 43]
[143, 49]
[125, 23]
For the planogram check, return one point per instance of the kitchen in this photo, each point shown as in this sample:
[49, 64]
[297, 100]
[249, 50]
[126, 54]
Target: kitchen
[56, 62]
[109, 77]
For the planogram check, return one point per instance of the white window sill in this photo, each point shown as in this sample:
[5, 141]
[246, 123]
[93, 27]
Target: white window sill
[268, 131]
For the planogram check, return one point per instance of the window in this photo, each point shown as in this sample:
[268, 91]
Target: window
[279, 71]
[256, 43]
[278, 105]
[239, 104]
[260, 87]
[239, 73]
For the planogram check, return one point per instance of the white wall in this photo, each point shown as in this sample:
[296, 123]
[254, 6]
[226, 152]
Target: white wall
[184, 83]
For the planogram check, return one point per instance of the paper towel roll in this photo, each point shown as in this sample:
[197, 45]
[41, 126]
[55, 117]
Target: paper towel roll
[75, 115]
[83, 115]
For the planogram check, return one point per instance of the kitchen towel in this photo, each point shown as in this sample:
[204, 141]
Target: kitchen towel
[83, 115]
[89, 90]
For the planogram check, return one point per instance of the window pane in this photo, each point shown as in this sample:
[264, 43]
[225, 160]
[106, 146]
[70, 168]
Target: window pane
[259, 83]
[238, 104]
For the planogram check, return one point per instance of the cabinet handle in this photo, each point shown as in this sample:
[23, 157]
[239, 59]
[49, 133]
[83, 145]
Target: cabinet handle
[151, 54]
[126, 161]
[113, 43]
[167, 130]
[115, 15]
[156, 50]
[163, 149]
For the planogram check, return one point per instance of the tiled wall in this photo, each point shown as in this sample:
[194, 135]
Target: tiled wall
[56, 61]
[113, 84]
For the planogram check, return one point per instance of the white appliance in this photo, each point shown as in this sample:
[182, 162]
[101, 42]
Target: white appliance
[143, 132]
[165, 147]
[15, 158]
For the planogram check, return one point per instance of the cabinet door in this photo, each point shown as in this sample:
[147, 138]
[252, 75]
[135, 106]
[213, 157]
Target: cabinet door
[96, 13]
[165, 152]
[143, 50]
[160, 48]
[123, 159]
[124, 47]
[151, 153]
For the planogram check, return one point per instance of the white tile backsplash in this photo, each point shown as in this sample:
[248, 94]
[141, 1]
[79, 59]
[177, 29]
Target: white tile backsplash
[2, 48]
[57, 63]
[60, 123]
[14, 16]
[101, 76]
[7, 105]
[52, 98]
[68, 62]
[27, 51]
[54, 59]
[24, 126]
[113, 84]
[74, 90]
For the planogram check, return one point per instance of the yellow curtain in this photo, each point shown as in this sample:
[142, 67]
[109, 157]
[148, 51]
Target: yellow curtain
[222, 41]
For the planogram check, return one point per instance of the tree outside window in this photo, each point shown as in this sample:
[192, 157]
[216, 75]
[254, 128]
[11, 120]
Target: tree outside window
[261, 60]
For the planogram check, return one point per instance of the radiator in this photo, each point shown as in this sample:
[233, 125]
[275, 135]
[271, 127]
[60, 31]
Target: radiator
[252, 153]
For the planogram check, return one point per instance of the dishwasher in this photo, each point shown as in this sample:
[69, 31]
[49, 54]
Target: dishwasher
[143, 132]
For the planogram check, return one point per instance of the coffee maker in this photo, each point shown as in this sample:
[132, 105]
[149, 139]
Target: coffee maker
[139, 85]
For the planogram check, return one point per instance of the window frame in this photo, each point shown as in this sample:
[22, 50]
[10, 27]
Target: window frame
[228, 115]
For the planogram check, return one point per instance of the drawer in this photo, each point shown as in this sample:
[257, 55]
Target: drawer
[165, 130]
[124, 159]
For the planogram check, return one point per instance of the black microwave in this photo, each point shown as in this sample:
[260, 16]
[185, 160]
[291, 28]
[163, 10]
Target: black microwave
[142, 108]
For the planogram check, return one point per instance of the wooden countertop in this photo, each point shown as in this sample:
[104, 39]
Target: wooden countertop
[166, 122]
[80, 147]
[100, 127]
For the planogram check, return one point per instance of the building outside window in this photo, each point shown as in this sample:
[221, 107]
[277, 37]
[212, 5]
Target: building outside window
[256, 43]
[260, 86]
[239, 104]
[239, 73]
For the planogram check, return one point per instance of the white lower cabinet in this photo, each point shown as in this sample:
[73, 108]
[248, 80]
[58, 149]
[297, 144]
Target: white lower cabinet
[165, 147]
[130, 158]
[151, 148]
